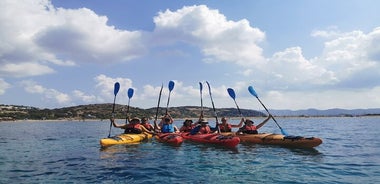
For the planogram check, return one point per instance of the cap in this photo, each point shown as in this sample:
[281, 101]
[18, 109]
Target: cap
[135, 118]
[203, 120]
[248, 120]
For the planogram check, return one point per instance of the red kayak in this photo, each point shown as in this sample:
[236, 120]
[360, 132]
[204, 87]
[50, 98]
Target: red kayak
[169, 138]
[216, 139]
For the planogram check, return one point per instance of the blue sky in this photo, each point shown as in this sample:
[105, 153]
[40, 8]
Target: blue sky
[296, 54]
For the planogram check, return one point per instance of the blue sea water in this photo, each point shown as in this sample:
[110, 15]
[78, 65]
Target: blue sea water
[69, 152]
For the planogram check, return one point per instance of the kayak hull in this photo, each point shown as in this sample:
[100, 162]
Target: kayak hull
[279, 139]
[125, 139]
[215, 139]
[169, 138]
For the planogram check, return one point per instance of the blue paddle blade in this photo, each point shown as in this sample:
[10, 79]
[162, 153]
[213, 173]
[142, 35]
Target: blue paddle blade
[252, 91]
[116, 88]
[130, 93]
[200, 86]
[171, 85]
[284, 132]
[231, 92]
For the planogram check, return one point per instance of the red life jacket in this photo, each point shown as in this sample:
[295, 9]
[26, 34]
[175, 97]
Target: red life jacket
[205, 130]
[186, 128]
[148, 126]
[224, 128]
[250, 129]
[133, 128]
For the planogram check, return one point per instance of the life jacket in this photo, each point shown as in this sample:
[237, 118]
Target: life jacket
[250, 129]
[148, 126]
[224, 128]
[205, 130]
[186, 128]
[167, 128]
[133, 128]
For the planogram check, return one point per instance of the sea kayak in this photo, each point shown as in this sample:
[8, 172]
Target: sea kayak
[169, 138]
[125, 139]
[216, 139]
[279, 139]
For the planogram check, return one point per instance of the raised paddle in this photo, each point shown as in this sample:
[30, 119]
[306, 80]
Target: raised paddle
[130, 94]
[231, 92]
[213, 106]
[171, 87]
[253, 92]
[158, 106]
[115, 91]
[200, 91]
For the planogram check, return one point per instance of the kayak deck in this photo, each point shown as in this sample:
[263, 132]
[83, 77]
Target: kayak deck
[169, 138]
[125, 139]
[279, 139]
[216, 139]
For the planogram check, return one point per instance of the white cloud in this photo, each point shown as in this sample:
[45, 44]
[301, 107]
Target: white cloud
[83, 97]
[24, 69]
[217, 37]
[105, 85]
[3, 86]
[34, 32]
[49, 94]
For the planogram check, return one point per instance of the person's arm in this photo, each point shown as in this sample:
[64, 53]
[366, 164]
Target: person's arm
[157, 128]
[143, 129]
[265, 121]
[116, 125]
[176, 130]
[195, 130]
[238, 125]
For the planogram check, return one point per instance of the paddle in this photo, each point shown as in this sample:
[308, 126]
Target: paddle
[115, 91]
[171, 87]
[158, 106]
[231, 92]
[213, 106]
[130, 94]
[200, 90]
[253, 92]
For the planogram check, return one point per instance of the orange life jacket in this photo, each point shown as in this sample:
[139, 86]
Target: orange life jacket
[205, 130]
[249, 129]
[186, 128]
[133, 128]
[224, 128]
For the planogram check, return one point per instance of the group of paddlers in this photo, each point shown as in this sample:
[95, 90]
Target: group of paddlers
[137, 126]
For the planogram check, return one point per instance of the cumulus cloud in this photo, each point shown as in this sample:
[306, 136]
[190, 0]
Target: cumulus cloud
[3, 86]
[35, 33]
[49, 94]
[218, 38]
[105, 86]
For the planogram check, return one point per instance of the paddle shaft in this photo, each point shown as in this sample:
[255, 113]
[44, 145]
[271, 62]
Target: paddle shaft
[200, 91]
[171, 86]
[268, 112]
[158, 106]
[113, 114]
[213, 106]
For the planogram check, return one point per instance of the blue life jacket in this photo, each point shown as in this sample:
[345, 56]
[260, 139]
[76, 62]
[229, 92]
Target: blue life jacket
[167, 128]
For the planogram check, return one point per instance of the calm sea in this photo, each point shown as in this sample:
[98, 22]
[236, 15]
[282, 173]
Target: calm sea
[69, 152]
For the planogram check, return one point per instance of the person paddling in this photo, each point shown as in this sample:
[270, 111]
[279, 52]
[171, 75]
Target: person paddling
[187, 126]
[203, 128]
[227, 127]
[133, 127]
[166, 125]
[250, 128]
[146, 124]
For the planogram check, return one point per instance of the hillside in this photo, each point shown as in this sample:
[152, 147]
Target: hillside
[103, 111]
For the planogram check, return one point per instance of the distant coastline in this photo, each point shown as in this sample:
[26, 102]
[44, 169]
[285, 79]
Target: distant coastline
[99, 112]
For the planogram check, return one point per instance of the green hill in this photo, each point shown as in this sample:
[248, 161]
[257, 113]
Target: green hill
[103, 111]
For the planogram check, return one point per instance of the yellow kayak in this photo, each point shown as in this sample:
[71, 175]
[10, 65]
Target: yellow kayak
[125, 139]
